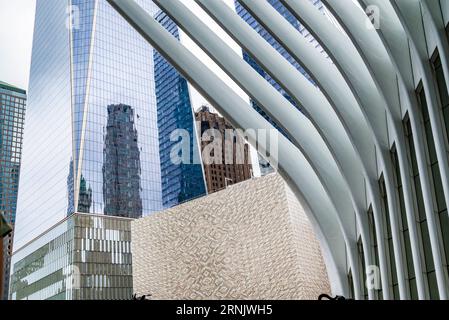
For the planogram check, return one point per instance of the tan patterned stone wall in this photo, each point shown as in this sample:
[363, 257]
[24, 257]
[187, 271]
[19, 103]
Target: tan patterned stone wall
[250, 241]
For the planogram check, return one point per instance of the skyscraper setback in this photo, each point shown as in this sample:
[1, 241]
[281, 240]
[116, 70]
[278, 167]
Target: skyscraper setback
[12, 115]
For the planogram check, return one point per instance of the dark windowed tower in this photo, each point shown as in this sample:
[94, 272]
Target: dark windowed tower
[12, 114]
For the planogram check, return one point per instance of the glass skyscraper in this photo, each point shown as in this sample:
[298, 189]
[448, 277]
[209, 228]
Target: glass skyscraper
[91, 140]
[184, 181]
[12, 114]
[91, 144]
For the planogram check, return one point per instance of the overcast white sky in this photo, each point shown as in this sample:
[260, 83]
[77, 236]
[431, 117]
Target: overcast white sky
[16, 33]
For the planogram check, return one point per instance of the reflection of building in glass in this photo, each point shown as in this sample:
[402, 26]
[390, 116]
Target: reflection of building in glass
[12, 113]
[70, 190]
[75, 74]
[235, 165]
[121, 167]
[85, 198]
[265, 167]
[185, 181]
[84, 257]
[85, 194]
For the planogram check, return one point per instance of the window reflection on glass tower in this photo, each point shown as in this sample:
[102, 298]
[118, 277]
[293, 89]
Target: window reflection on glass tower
[185, 181]
[92, 80]
[265, 167]
[121, 167]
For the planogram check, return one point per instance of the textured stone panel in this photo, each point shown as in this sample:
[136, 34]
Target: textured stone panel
[250, 241]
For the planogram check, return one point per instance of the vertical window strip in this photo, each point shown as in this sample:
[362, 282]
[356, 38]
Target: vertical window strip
[378, 294]
[439, 202]
[444, 100]
[393, 278]
[351, 285]
[362, 267]
[420, 215]
[405, 239]
[442, 89]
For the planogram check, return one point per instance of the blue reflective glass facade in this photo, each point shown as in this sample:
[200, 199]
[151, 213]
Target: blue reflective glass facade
[185, 181]
[91, 140]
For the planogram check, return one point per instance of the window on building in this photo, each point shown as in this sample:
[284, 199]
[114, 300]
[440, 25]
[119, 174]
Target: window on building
[362, 267]
[388, 236]
[378, 294]
[351, 285]
[447, 31]
[403, 225]
[439, 202]
[442, 89]
[420, 214]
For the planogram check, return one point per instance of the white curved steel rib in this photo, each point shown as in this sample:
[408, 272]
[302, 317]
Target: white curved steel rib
[396, 43]
[364, 88]
[307, 96]
[333, 86]
[357, 26]
[293, 166]
[343, 145]
[409, 13]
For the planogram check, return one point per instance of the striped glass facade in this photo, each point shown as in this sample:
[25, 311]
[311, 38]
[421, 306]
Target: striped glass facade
[84, 257]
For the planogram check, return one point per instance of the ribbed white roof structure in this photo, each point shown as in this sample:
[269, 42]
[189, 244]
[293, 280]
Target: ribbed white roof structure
[368, 153]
